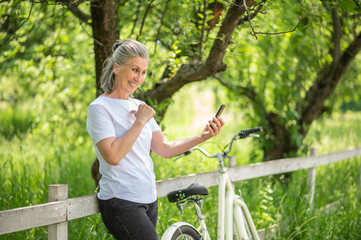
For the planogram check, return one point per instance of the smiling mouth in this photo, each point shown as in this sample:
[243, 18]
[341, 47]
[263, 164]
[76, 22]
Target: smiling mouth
[133, 84]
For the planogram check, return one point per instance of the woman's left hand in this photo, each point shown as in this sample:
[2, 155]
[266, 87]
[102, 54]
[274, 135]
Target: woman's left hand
[213, 128]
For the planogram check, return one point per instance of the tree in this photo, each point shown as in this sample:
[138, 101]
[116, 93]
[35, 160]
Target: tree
[300, 74]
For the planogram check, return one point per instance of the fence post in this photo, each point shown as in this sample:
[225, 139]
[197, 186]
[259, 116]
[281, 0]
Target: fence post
[232, 161]
[311, 179]
[58, 231]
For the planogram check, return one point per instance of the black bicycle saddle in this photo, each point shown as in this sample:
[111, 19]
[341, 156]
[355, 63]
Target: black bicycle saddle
[193, 190]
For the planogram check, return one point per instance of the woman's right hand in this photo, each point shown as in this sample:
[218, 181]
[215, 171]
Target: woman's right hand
[213, 128]
[144, 113]
[114, 150]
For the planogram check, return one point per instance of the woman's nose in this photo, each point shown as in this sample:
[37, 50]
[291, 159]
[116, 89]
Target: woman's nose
[137, 76]
[140, 76]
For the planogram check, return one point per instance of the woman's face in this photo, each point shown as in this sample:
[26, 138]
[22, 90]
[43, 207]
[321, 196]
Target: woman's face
[129, 76]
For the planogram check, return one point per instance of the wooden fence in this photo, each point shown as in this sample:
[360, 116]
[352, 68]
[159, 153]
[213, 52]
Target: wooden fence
[59, 210]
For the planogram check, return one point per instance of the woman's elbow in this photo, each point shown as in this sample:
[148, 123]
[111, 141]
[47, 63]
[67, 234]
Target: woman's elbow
[113, 160]
[163, 154]
[166, 156]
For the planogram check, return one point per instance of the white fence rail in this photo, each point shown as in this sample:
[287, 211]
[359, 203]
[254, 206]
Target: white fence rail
[60, 209]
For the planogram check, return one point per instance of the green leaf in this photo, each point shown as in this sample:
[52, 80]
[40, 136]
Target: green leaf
[303, 23]
[349, 6]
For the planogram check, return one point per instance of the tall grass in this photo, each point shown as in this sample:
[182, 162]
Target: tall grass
[14, 122]
[28, 164]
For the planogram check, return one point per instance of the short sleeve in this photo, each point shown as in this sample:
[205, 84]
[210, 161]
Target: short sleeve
[154, 125]
[99, 123]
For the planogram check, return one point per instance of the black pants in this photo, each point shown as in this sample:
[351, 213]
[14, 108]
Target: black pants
[129, 220]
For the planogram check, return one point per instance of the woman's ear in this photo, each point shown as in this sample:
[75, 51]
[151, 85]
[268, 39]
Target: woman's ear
[115, 68]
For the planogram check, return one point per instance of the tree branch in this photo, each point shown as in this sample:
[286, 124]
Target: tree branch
[253, 15]
[74, 8]
[192, 72]
[144, 17]
[136, 18]
[278, 33]
[326, 82]
[357, 3]
[205, 3]
[9, 35]
[225, 32]
[160, 25]
[249, 19]
[336, 36]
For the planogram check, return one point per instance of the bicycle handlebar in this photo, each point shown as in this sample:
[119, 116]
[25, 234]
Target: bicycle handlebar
[246, 133]
[242, 134]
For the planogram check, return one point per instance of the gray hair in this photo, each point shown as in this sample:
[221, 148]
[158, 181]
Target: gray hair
[123, 51]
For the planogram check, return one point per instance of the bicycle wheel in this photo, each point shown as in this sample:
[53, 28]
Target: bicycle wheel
[181, 231]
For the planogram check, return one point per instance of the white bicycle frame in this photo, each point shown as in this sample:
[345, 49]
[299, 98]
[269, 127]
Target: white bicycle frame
[232, 210]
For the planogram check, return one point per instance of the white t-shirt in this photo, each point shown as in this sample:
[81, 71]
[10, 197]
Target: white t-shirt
[133, 179]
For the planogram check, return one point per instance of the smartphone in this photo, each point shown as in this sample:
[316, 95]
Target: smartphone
[220, 110]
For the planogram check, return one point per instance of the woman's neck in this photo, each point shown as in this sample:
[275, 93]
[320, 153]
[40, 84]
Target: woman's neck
[117, 94]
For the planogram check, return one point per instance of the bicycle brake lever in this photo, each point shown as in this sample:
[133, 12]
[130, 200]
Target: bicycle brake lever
[177, 158]
[182, 155]
[254, 135]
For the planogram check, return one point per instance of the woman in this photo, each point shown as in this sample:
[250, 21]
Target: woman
[124, 132]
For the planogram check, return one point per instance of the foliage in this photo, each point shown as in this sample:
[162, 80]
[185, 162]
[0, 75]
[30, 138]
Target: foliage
[43, 74]
[272, 76]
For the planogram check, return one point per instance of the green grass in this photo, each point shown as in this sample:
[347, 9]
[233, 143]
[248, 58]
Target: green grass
[341, 131]
[14, 122]
[29, 163]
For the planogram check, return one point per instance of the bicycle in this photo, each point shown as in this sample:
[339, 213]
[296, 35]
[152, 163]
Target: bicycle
[232, 210]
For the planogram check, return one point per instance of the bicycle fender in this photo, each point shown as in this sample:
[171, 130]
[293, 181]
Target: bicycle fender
[167, 235]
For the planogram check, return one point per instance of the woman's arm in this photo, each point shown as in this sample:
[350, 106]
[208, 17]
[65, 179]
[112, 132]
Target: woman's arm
[166, 149]
[113, 150]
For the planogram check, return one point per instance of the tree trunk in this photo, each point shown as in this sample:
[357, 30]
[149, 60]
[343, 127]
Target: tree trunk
[280, 138]
[325, 85]
[105, 32]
